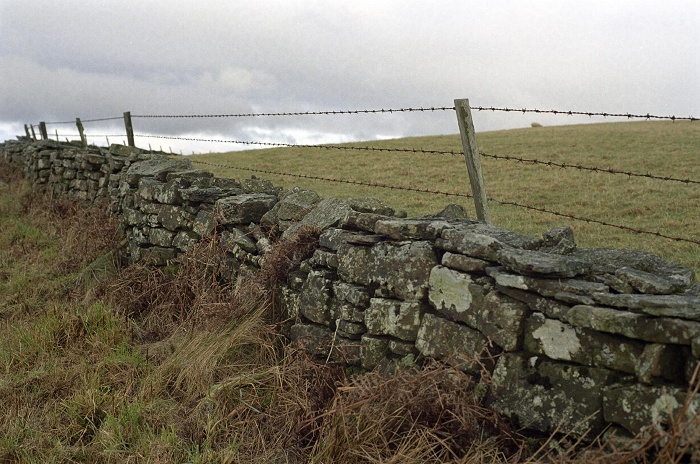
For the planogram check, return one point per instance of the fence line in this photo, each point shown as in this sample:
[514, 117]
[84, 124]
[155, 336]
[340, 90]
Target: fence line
[417, 150]
[628, 115]
[453, 194]
[127, 119]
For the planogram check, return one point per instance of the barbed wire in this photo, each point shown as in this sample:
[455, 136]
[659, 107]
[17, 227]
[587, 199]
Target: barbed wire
[583, 113]
[295, 145]
[628, 115]
[587, 168]
[298, 113]
[85, 120]
[462, 195]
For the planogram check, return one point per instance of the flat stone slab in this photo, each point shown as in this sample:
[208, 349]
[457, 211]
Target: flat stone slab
[537, 263]
[633, 325]
[680, 306]
[243, 209]
[410, 229]
[471, 244]
[543, 286]
[645, 282]
[327, 213]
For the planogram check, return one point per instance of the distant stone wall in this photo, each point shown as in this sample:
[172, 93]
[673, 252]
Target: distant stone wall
[570, 337]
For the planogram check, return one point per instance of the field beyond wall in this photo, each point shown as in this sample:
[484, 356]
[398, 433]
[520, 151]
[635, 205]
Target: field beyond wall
[666, 149]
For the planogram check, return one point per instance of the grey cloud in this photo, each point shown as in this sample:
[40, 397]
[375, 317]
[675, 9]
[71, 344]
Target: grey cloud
[60, 60]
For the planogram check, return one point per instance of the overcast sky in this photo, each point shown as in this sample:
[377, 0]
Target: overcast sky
[95, 59]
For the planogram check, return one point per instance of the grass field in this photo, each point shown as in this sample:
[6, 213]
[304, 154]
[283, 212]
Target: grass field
[661, 148]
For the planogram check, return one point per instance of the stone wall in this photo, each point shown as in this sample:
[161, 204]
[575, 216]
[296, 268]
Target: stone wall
[560, 336]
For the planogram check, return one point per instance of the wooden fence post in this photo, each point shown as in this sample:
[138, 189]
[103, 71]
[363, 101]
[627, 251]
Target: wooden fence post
[81, 131]
[57, 139]
[129, 128]
[26, 131]
[33, 133]
[471, 155]
[42, 129]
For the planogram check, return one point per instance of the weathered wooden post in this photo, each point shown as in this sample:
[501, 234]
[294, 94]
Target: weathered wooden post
[129, 128]
[26, 131]
[57, 139]
[471, 155]
[42, 130]
[33, 133]
[81, 131]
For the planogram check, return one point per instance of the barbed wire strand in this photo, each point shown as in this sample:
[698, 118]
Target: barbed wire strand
[647, 116]
[440, 152]
[463, 195]
[86, 120]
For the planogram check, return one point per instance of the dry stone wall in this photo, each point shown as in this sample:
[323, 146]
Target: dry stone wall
[577, 338]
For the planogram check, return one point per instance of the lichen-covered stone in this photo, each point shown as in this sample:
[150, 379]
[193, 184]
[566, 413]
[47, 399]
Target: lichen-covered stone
[361, 221]
[558, 240]
[536, 263]
[608, 261]
[312, 338]
[370, 205]
[469, 243]
[290, 303]
[156, 168]
[543, 395]
[185, 240]
[324, 259]
[551, 308]
[161, 237]
[293, 205]
[681, 306]
[645, 282]
[545, 286]
[401, 348]
[200, 194]
[315, 298]
[453, 343]
[638, 406]
[235, 237]
[639, 326]
[497, 316]
[204, 223]
[354, 294]
[169, 192]
[352, 330]
[408, 229]
[400, 319]
[372, 350]
[327, 213]
[243, 209]
[401, 270]
[561, 341]
[175, 217]
[661, 361]
[464, 263]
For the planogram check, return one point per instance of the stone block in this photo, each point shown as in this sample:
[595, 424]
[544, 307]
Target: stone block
[157, 168]
[243, 209]
[537, 263]
[169, 192]
[680, 306]
[400, 270]
[394, 318]
[409, 229]
[372, 350]
[633, 325]
[175, 217]
[327, 213]
[161, 237]
[204, 223]
[354, 294]
[209, 195]
[561, 341]
[313, 339]
[638, 406]
[543, 395]
[315, 298]
[464, 263]
[453, 343]
[232, 237]
[471, 244]
[185, 240]
[370, 205]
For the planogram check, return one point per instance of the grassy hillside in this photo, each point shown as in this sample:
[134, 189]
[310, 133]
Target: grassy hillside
[661, 148]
